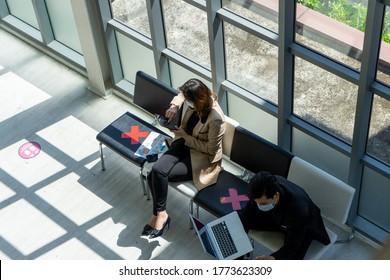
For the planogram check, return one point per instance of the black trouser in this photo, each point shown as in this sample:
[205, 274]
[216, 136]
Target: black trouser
[174, 166]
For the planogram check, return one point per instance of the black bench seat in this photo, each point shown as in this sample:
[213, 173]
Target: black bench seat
[124, 136]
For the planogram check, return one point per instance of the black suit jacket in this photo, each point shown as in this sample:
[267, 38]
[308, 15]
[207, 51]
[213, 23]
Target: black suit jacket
[295, 215]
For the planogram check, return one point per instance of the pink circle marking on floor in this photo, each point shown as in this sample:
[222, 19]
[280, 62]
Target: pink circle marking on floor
[29, 150]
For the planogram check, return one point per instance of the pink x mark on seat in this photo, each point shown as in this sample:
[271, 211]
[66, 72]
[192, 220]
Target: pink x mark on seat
[134, 134]
[234, 199]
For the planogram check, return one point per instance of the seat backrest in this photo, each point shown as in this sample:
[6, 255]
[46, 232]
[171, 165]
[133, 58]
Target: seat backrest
[256, 154]
[227, 140]
[331, 195]
[153, 95]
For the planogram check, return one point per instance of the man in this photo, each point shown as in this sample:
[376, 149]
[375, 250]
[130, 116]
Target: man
[277, 204]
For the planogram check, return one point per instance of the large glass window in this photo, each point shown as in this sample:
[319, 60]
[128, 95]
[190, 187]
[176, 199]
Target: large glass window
[333, 27]
[186, 31]
[23, 10]
[264, 13]
[132, 13]
[324, 99]
[379, 136]
[63, 23]
[251, 63]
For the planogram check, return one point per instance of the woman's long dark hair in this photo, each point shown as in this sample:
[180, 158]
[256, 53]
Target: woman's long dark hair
[196, 91]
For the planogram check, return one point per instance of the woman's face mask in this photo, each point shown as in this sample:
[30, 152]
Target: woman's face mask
[190, 104]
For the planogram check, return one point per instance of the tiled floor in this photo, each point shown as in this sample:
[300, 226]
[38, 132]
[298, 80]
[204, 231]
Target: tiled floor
[57, 203]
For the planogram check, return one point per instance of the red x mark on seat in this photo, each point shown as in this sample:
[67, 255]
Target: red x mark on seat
[234, 198]
[134, 134]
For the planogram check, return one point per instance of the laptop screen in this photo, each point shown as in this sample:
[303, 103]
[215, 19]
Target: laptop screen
[198, 224]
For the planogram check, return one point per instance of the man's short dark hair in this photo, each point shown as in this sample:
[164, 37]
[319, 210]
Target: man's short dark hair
[263, 183]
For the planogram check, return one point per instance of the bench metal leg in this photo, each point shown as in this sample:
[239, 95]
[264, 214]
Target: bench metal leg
[102, 156]
[349, 238]
[144, 183]
[191, 210]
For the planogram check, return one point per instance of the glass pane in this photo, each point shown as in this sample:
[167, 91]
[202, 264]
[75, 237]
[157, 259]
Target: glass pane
[383, 73]
[134, 57]
[320, 155]
[23, 10]
[186, 31]
[333, 27]
[132, 13]
[254, 119]
[374, 199]
[63, 23]
[251, 63]
[264, 13]
[324, 99]
[180, 75]
[379, 135]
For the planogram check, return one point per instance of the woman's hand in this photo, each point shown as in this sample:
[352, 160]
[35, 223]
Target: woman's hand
[179, 132]
[171, 113]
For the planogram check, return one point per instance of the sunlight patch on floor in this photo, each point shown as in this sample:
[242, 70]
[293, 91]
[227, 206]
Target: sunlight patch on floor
[72, 137]
[24, 95]
[73, 200]
[26, 228]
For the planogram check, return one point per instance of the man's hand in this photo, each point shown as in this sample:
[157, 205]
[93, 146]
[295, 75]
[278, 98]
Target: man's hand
[265, 258]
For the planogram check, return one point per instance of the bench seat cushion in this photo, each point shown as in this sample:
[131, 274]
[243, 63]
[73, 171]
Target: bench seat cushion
[186, 187]
[227, 195]
[125, 135]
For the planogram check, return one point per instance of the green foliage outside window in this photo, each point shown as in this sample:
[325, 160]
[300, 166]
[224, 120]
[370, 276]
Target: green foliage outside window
[353, 15]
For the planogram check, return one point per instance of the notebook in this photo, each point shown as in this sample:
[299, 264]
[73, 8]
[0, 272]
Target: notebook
[223, 238]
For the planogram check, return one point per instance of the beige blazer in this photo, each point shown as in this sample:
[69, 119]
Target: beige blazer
[205, 144]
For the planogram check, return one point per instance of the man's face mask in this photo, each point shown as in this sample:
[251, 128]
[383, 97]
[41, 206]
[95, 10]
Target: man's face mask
[266, 207]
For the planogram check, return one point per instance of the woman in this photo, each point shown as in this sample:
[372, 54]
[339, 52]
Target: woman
[195, 152]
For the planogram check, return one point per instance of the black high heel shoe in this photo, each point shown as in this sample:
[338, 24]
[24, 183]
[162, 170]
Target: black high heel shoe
[147, 230]
[158, 232]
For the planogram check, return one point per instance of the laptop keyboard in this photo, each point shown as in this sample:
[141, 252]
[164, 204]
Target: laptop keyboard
[224, 239]
[207, 245]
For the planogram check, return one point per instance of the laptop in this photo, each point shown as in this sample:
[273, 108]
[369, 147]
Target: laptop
[223, 238]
